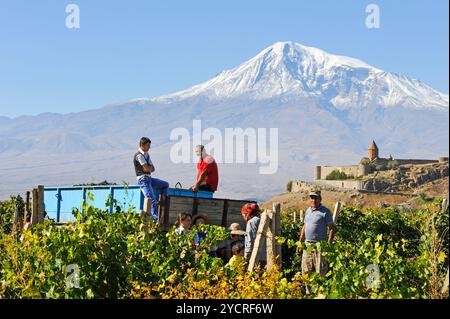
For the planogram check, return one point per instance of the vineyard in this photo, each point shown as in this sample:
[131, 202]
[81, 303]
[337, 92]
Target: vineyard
[113, 255]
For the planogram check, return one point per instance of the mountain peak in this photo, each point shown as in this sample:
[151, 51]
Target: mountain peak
[290, 49]
[290, 68]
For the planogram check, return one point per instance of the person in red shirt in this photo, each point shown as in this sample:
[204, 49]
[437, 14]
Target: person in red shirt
[207, 172]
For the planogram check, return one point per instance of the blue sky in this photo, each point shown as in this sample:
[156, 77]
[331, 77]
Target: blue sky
[130, 49]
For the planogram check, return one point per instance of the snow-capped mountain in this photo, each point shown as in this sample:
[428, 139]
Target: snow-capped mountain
[327, 108]
[291, 68]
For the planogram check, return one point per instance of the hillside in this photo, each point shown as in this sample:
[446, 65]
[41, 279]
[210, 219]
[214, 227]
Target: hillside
[438, 188]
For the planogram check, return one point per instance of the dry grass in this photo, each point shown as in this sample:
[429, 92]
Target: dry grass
[438, 188]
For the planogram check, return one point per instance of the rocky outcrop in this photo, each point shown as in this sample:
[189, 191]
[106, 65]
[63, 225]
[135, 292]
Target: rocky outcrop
[405, 177]
[375, 185]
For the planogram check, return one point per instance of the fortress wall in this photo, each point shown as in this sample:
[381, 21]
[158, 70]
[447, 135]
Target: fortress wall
[349, 170]
[350, 184]
[299, 186]
[415, 161]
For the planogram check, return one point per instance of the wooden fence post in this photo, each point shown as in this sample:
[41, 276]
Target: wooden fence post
[34, 208]
[146, 212]
[302, 216]
[165, 219]
[444, 205]
[27, 208]
[295, 216]
[444, 289]
[16, 224]
[262, 230]
[270, 239]
[277, 232]
[18, 216]
[337, 208]
[273, 230]
[41, 210]
[445, 286]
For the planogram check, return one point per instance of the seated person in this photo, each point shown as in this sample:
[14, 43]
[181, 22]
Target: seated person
[144, 167]
[207, 172]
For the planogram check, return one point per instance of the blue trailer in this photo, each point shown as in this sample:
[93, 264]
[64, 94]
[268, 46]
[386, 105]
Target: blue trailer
[59, 203]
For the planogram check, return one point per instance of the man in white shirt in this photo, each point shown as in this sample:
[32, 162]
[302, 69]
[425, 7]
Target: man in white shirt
[143, 166]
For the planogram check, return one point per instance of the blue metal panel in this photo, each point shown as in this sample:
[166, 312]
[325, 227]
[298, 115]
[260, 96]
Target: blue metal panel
[187, 192]
[70, 198]
[128, 198]
[58, 206]
[100, 197]
[51, 203]
[60, 201]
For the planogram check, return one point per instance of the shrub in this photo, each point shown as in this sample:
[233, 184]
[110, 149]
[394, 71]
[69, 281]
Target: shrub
[110, 250]
[337, 175]
[392, 164]
[380, 167]
[7, 212]
[117, 258]
[235, 284]
[373, 269]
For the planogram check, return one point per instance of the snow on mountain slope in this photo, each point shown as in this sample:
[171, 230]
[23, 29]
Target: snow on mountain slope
[292, 68]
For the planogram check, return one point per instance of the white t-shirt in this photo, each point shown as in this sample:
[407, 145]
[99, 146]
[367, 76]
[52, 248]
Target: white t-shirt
[144, 159]
[180, 231]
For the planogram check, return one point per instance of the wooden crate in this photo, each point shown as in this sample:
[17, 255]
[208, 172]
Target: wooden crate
[219, 211]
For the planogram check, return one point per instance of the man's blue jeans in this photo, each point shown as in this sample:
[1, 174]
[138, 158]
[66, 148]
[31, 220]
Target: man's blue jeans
[147, 184]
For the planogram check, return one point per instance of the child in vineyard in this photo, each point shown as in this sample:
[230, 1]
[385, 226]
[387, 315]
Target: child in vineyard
[184, 223]
[238, 254]
[199, 219]
[224, 249]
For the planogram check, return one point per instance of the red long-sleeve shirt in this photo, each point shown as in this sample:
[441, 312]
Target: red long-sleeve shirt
[209, 165]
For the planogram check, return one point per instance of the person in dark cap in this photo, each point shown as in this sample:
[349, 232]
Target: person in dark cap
[318, 220]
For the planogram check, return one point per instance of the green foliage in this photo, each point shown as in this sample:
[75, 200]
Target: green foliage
[290, 233]
[381, 167]
[425, 200]
[337, 175]
[111, 250]
[118, 258]
[410, 249]
[434, 245]
[355, 225]
[351, 266]
[7, 211]
[392, 164]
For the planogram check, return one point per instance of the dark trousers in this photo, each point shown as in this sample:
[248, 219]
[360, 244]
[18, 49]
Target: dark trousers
[205, 187]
